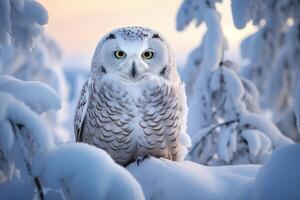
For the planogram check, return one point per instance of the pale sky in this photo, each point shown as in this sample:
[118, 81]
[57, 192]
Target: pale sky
[78, 25]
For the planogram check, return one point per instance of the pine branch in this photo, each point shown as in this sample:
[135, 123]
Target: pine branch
[227, 123]
[36, 180]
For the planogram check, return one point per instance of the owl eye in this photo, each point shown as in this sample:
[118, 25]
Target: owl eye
[148, 54]
[119, 54]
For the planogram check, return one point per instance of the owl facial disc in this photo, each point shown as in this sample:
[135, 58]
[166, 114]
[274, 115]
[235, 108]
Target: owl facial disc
[134, 54]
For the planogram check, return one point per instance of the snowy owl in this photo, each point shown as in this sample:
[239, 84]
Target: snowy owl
[133, 104]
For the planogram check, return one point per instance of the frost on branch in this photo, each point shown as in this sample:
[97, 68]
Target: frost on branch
[273, 53]
[32, 164]
[222, 121]
[21, 22]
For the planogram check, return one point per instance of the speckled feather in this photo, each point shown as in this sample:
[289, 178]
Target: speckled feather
[126, 124]
[134, 33]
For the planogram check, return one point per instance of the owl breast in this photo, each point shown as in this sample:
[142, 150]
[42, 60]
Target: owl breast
[129, 121]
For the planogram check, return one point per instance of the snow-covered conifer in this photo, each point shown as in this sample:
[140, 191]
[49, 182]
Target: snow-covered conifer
[223, 113]
[273, 55]
[41, 63]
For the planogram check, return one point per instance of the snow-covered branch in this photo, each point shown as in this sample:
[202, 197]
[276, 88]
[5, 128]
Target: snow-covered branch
[45, 98]
[41, 63]
[273, 55]
[21, 22]
[222, 105]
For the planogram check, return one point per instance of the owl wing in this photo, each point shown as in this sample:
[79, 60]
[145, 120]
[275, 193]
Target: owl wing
[81, 109]
[184, 138]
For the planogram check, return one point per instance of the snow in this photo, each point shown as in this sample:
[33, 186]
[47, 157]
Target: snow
[267, 127]
[234, 85]
[251, 96]
[24, 190]
[202, 60]
[18, 113]
[222, 104]
[20, 22]
[45, 98]
[279, 178]
[14, 115]
[240, 11]
[259, 144]
[273, 56]
[36, 12]
[7, 139]
[297, 105]
[86, 172]
[166, 179]
[227, 143]
[42, 63]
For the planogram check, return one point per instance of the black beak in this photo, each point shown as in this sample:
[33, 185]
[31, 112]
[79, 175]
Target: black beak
[133, 69]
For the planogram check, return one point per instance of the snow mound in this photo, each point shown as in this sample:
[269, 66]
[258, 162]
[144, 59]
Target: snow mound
[279, 177]
[37, 95]
[165, 179]
[86, 172]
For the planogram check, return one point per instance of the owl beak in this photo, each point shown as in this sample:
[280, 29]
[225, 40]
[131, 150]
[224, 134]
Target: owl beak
[133, 70]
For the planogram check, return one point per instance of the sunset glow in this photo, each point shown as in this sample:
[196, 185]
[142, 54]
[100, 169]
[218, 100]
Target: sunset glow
[78, 25]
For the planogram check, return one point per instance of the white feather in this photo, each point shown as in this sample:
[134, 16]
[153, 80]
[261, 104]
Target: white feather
[82, 107]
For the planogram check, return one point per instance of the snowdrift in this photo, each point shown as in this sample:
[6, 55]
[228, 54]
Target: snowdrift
[165, 179]
[277, 179]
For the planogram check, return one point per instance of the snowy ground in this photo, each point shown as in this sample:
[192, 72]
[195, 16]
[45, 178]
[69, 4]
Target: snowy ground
[278, 178]
[164, 179]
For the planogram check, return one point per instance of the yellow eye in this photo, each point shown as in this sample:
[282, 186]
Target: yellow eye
[119, 54]
[148, 54]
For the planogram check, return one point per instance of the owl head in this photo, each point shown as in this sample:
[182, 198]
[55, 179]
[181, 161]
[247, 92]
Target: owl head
[134, 54]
